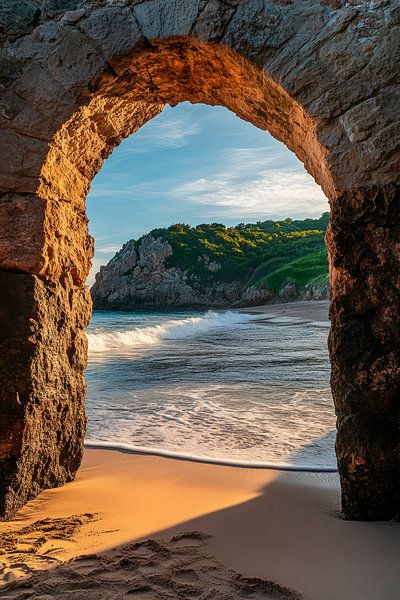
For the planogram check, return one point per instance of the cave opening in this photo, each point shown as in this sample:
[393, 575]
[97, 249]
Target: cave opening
[163, 377]
[46, 253]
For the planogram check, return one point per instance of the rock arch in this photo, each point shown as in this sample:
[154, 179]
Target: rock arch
[77, 76]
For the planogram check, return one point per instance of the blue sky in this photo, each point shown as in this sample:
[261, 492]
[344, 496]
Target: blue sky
[195, 164]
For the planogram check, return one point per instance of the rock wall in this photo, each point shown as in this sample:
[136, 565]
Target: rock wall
[42, 397]
[364, 344]
[77, 76]
[142, 279]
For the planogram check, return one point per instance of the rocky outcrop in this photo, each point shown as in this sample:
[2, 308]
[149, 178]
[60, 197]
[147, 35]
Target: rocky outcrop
[138, 277]
[77, 77]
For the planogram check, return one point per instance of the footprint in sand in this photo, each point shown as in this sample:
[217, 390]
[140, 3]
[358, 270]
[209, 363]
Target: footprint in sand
[186, 576]
[191, 539]
[173, 569]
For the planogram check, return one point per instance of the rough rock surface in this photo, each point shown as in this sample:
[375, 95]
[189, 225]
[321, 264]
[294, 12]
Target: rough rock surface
[141, 279]
[42, 397]
[77, 76]
[364, 343]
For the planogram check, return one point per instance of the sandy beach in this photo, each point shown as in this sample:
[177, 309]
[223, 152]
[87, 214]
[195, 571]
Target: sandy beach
[280, 531]
[163, 164]
[312, 310]
[157, 528]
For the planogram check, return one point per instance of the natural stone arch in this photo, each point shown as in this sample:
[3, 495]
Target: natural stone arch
[76, 83]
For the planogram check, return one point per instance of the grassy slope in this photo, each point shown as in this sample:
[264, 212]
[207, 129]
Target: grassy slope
[307, 270]
[267, 254]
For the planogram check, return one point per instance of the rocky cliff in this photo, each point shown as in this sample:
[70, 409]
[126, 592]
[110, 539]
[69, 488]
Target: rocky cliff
[139, 277]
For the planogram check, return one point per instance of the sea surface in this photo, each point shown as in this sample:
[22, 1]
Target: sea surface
[222, 385]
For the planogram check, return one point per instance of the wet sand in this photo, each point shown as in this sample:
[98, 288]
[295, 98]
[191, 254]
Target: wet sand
[312, 310]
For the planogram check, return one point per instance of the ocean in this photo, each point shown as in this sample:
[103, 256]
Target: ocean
[218, 385]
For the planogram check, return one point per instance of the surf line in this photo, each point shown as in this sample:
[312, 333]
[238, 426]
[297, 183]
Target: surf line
[222, 462]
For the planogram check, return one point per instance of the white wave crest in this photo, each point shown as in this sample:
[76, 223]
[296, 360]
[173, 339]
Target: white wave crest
[224, 462]
[173, 329]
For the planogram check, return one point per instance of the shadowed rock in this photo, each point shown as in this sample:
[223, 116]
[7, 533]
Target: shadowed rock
[43, 351]
[79, 76]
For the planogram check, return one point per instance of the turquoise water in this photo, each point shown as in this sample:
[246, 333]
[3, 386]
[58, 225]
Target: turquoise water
[219, 385]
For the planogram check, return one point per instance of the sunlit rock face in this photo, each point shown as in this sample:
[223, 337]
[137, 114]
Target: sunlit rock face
[76, 77]
[139, 277]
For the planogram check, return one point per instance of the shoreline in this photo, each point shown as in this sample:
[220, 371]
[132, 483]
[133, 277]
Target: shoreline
[191, 522]
[300, 308]
[309, 310]
[160, 524]
[186, 457]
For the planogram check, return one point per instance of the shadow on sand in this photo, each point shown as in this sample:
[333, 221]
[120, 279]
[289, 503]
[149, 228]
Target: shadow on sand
[291, 533]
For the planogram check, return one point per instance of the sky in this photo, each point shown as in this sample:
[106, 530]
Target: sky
[195, 164]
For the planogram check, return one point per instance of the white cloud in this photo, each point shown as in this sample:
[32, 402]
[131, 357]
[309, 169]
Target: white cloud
[174, 133]
[251, 184]
[198, 186]
[280, 192]
[252, 181]
[108, 249]
[255, 158]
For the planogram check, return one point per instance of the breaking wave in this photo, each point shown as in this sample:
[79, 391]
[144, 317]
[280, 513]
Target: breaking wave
[221, 386]
[173, 329]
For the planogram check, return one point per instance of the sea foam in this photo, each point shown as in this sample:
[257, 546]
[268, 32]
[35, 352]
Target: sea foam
[173, 329]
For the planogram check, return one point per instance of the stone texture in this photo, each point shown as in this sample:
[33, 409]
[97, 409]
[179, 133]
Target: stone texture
[158, 18]
[42, 408]
[22, 158]
[141, 279]
[15, 17]
[49, 238]
[75, 59]
[330, 59]
[77, 76]
[115, 30]
[364, 245]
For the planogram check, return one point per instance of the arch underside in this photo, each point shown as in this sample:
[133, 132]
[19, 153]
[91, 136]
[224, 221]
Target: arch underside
[101, 88]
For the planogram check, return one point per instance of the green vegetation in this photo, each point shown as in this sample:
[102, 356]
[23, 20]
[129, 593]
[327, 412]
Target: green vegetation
[267, 254]
[309, 269]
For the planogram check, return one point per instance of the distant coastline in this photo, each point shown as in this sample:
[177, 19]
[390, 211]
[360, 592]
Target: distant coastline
[214, 266]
